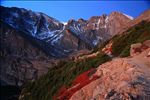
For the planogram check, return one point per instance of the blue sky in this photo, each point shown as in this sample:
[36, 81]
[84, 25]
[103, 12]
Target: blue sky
[64, 10]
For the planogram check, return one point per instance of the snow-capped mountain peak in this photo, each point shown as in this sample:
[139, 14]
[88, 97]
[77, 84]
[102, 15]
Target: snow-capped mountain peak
[71, 36]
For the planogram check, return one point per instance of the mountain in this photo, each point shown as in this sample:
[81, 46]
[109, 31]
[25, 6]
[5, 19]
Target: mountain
[60, 40]
[38, 40]
[36, 25]
[36, 48]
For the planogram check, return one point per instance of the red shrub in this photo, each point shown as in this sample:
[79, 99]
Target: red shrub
[79, 82]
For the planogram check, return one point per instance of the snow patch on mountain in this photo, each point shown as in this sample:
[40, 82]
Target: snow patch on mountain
[130, 17]
[65, 23]
[56, 39]
[96, 41]
[107, 19]
[98, 23]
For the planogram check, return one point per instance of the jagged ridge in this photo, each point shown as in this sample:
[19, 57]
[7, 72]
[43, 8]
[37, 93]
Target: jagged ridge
[61, 40]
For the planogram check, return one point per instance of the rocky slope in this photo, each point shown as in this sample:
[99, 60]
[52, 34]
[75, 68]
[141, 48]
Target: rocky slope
[121, 78]
[61, 40]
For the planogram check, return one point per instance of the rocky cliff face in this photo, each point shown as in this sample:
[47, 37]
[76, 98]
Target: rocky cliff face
[61, 40]
[121, 78]
[21, 59]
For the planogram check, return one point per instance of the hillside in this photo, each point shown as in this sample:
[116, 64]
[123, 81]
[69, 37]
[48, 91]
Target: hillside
[63, 75]
[121, 78]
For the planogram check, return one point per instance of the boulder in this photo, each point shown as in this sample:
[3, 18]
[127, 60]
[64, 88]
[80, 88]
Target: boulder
[135, 49]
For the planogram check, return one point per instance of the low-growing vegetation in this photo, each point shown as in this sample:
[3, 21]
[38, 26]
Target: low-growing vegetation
[121, 43]
[61, 75]
[80, 81]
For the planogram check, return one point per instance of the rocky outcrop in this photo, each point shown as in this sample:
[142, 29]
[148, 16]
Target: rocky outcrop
[108, 49]
[139, 47]
[135, 48]
[121, 78]
[80, 58]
